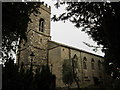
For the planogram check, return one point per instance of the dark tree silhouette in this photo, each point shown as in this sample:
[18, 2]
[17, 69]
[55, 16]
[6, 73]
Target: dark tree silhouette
[67, 72]
[15, 18]
[24, 79]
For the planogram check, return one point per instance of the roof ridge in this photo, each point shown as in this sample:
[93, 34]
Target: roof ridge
[61, 44]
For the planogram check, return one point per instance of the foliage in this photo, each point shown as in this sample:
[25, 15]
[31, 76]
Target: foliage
[116, 84]
[67, 72]
[15, 18]
[10, 73]
[100, 20]
[43, 79]
[24, 79]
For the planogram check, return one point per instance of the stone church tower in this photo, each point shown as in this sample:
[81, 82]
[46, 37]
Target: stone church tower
[38, 34]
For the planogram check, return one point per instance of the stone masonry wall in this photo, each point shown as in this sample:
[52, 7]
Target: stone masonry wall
[57, 56]
[37, 41]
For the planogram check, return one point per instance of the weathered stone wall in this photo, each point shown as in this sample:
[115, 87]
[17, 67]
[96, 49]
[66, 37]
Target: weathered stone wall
[60, 53]
[55, 64]
[89, 72]
[37, 41]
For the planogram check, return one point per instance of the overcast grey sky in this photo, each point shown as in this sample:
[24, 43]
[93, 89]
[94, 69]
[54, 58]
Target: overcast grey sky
[66, 33]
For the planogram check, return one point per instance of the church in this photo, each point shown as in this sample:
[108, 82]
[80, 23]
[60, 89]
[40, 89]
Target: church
[41, 50]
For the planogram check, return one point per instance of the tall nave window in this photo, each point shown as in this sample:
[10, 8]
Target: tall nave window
[99, 64]
[41, 25]
[75, 61]
[84, 63]
[92, 64]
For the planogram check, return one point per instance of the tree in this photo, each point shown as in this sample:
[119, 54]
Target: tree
[100, 20]
[43, 79]
[16, 78]
[9, 73]
[15, 18]
[24, 79]
[67, 72]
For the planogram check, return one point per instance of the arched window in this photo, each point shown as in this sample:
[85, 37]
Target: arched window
[75, 61]
[92, 63]
[41, 25]
[84, 63]
[99, 64]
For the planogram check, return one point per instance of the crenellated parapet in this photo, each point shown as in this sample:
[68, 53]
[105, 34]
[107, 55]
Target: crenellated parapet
[46, 7]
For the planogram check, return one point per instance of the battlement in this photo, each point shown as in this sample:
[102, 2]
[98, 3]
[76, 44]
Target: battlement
[45, 7]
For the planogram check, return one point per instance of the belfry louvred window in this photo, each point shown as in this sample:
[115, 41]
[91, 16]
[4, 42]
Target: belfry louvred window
[41, 25]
